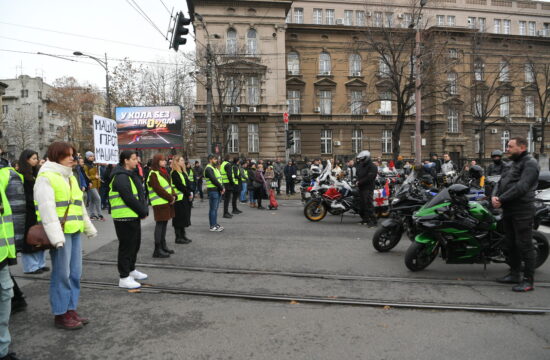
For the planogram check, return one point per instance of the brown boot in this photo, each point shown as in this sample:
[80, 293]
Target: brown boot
[67, 322]
[74, 315]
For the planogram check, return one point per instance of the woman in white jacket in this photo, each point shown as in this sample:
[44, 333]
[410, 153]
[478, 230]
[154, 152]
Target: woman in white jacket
[56, 193]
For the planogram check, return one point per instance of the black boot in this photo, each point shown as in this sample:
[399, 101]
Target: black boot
[164, 247]
[237, 211]
[185, 239]
[512, 277]
[227, 216]
[527, 284]
[18, 304]
[179, 236]
[159, 253]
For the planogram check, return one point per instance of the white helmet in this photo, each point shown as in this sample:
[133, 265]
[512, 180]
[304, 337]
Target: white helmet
[363, 155]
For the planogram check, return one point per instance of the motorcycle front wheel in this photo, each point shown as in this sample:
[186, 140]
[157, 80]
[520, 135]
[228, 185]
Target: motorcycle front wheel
[419, 256]
[386, 238]
[315, 210]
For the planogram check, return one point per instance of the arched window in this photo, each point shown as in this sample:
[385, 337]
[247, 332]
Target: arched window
[355, 65]
[504, 139]
[324, 64]
[251, 42]
[293, 63]
[231, 44]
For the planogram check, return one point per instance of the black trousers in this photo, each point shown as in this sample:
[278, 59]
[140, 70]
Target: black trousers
[227, 199]
[236, 195]
[279, 186]
[290, 186]
[519, 241]
[367, 208]
[258, 194]
[160, 234]
[129, 241]
[199, 188]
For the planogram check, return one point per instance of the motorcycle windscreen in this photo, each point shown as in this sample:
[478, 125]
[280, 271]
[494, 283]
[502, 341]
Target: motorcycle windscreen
[440, 198]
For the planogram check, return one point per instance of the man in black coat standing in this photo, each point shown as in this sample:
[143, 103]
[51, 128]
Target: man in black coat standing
[366, 176]
[516, 196]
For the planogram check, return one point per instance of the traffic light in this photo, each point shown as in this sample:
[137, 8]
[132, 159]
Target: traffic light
[179, 31]
[535, 131]
[422, 126]
[289, 139]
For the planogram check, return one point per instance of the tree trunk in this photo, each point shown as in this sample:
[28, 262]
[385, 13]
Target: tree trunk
[481, 154]
[396, 136]
[542, 126]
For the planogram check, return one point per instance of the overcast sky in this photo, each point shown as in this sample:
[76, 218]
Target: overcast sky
[113, 20]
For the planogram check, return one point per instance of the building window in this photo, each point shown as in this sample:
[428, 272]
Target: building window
[40, 94]
[452, 120]
[451, 20]
[253, 138]
[507, 26]
[329, 13]
[348, 17]
[360, 18]
[293, 101]
[324, 64]
[532, 28]
[24, 93]
[356, 102]
[318, 16]
[452, 83]
[231, 91]
[231, 45]
[407, 20]
[504, 71]
[357, 141]
[384, 67]
[386, 141]
[326, 141]
[504, 139]
[471, 22]
[389, 20]
[479, 70]
[529, 76]
[298, 15]
[504, 106]
[233, 139]
[530, 106]
[385, 103]
[293, 63]
[497, 26]
[4, 109]
[251, 43]
[482, 24]
[453, 54]
[325, 102]
[296, 148]
[253, 90]
[378, 19]
[440, 20]
[355, 65]
[523, 27]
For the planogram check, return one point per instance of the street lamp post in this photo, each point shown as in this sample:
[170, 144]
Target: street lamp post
[417, 93]
[104, 65]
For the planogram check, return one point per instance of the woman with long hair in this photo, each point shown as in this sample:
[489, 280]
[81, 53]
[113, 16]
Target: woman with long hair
[56, 193]
[162, 198]
[182, 185]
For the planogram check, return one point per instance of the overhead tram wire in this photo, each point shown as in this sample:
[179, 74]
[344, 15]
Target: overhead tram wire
[143, 14]
[166, 7]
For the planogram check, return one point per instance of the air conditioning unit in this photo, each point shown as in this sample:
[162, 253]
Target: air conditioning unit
[337, 143]
[400, 16]
[339, 21]
[357, 73]
[252, 109]
[317, 109]
[494, 131]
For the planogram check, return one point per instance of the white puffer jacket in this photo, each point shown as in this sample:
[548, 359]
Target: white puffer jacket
[45, 197]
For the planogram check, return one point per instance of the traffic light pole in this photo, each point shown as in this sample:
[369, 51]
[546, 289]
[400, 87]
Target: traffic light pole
[287, 150]
[208, 99]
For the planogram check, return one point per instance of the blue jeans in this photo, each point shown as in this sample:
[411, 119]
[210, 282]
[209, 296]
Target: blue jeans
[33, 261]
[243, 192]
[65, 277]
[6, 293]
[214, 202]
[251, 195]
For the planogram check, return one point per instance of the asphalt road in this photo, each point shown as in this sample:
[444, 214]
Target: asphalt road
[170, 326]
[151, 139]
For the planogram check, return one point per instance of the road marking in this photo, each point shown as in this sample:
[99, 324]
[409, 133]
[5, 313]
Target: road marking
[166, 141]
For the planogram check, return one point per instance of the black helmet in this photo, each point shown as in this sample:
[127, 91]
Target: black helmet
[427, 179]
[497, 153]
[476, 172]
[458, 193]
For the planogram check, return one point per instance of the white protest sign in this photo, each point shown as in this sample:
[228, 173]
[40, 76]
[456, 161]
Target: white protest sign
[105, 140]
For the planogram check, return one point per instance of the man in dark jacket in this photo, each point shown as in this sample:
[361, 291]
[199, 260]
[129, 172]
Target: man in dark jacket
[516, 196]
[198, 171]
[366, 176]
[289, 171]
[498, 167]
[237, 185]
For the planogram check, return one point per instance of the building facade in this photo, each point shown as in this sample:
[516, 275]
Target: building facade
[316, 60]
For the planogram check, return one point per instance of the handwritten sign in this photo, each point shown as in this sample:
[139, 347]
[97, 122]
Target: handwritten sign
[105, 140]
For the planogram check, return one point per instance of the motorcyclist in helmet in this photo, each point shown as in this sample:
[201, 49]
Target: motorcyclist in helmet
[366, 176]
[476, 176]
[498, 167]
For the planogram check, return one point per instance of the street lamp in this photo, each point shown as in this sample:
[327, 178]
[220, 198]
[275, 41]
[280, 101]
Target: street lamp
[105, 66]
[417, 93]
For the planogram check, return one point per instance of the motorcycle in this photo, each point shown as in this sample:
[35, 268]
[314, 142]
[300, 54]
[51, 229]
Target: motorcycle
[465, 233]
[336, 200]
[408, 199]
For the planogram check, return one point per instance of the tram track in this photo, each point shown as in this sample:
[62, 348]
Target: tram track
[293, 299]
[326, 276]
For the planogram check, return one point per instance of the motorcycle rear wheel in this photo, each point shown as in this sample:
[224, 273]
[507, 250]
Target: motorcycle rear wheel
[385, 238]
[418, 257]
[315, 211]
[540, 243]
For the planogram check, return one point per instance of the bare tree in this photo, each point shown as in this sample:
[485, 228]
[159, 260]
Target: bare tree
[537, 74]
[20, 129]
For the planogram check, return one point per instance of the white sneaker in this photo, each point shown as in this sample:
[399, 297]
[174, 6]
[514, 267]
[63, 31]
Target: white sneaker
[219, 228]
[128, 283]
[213, 228]
[138, 275]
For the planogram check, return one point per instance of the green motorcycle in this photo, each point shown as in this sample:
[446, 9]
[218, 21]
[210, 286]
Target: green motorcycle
[465, 232]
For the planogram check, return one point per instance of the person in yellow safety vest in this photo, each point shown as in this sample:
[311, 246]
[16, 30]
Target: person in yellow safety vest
[162, 197]
[215, 189]
[56, 193]
[191, 177]
[227, 180]
[243, 171]
[236, 185]
[183, 187]
[128, 207]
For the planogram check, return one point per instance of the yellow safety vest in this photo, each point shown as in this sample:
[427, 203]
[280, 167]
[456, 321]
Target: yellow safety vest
[153, 196]
[119, 209]
[7, 240]
[63, 197]
[225, 178]
[179, 194]
[217, 174]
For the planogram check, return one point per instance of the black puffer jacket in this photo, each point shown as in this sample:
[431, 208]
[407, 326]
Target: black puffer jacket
[121, 184]
[497, 168]
[366, 174]
[517, 187]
